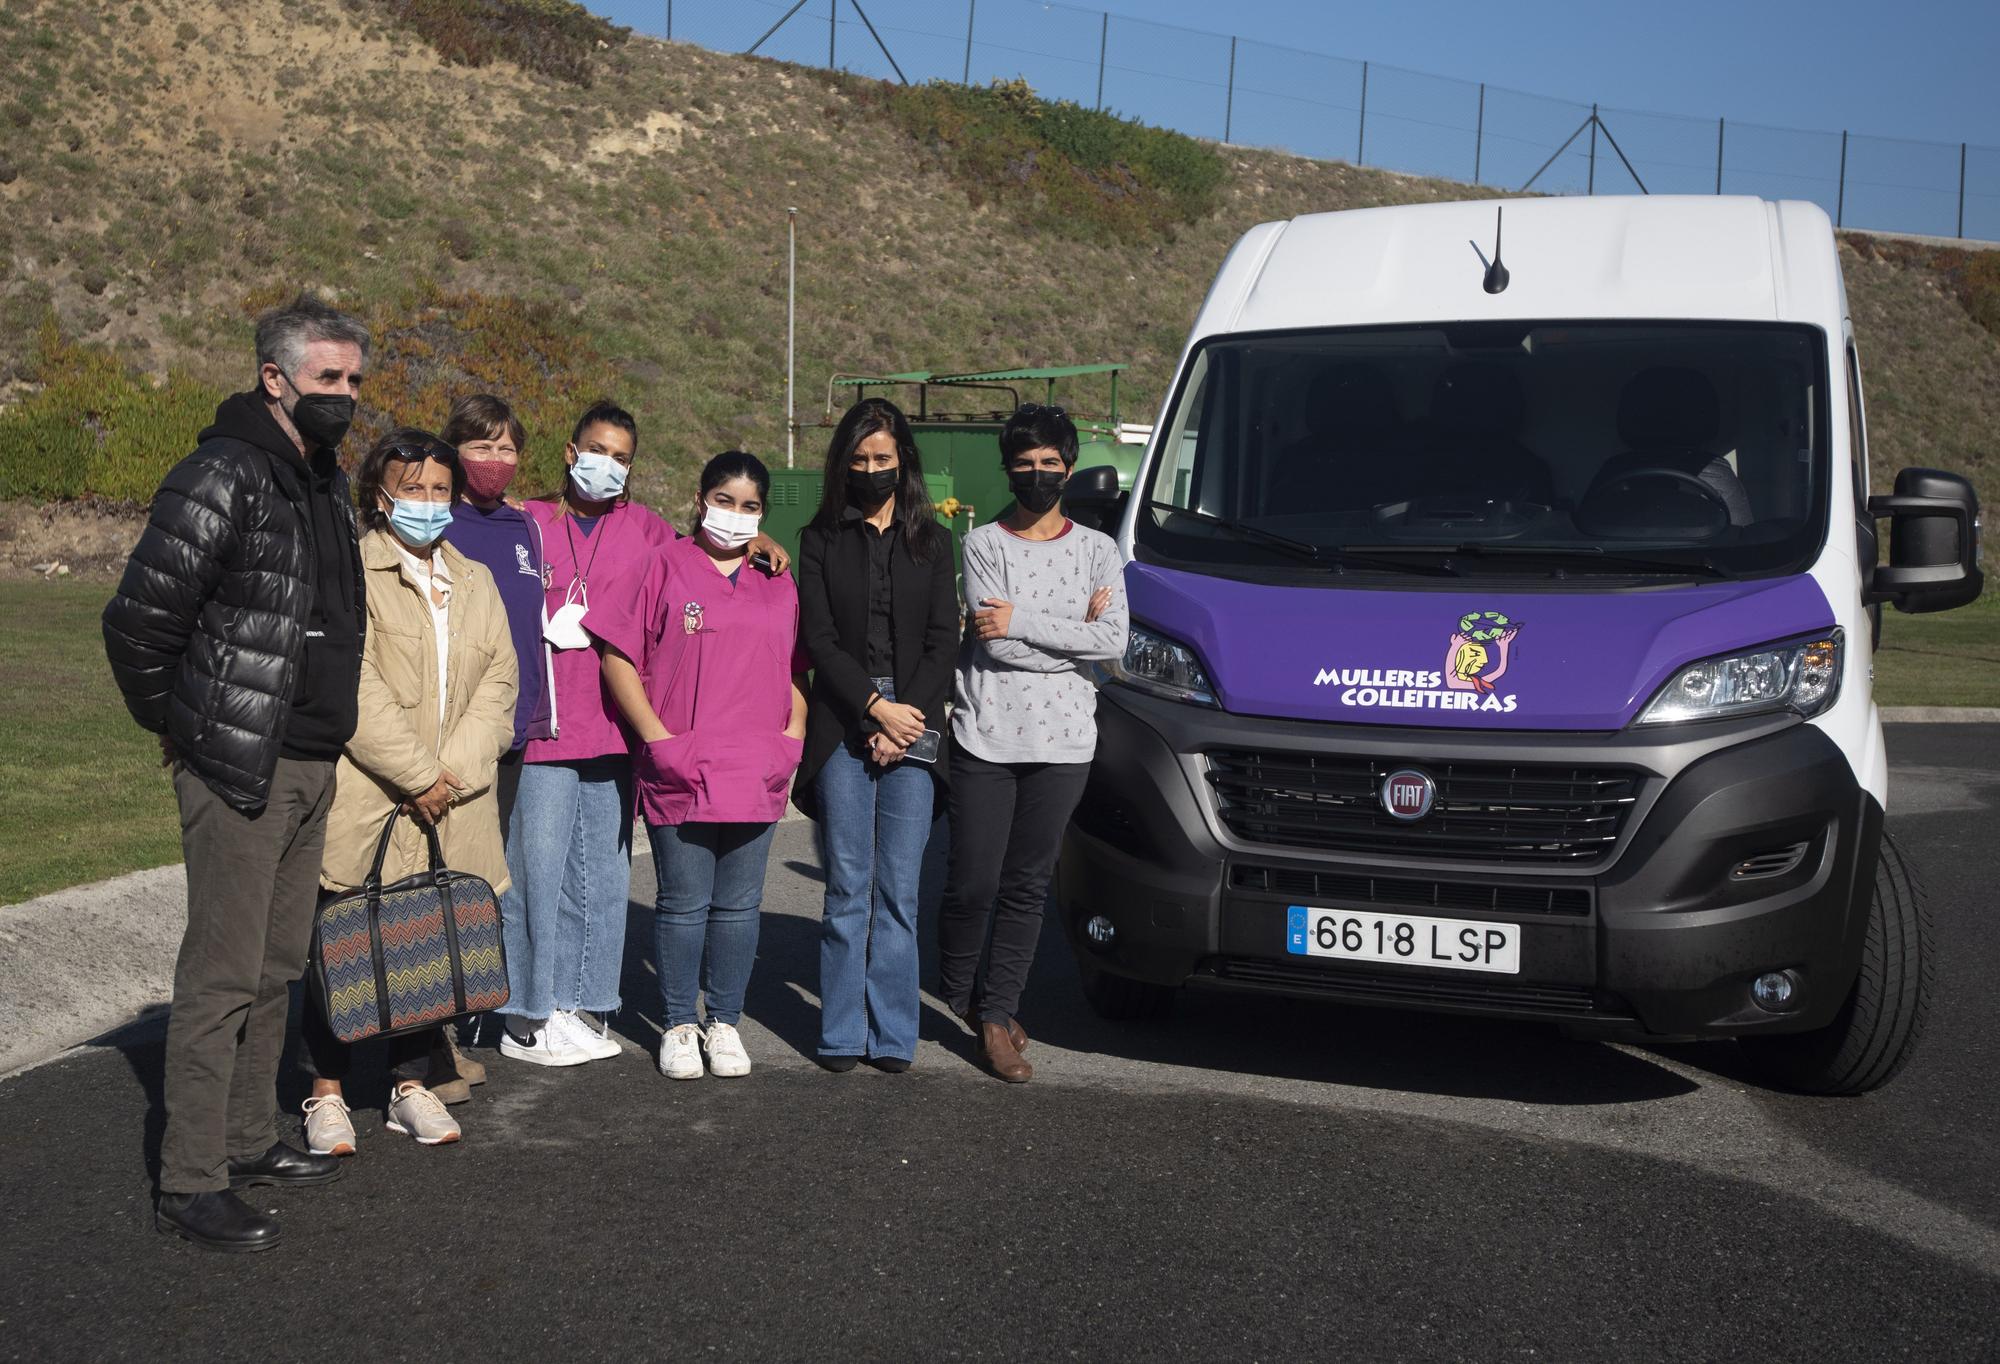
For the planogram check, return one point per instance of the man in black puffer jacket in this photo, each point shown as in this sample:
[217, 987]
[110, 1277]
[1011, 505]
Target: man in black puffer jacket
[236, 637]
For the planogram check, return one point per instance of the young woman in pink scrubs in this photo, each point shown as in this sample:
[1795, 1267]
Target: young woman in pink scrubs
[569, 843]
[704, 672]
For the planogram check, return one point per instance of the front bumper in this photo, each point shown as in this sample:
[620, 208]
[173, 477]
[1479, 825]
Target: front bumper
[1659, 936]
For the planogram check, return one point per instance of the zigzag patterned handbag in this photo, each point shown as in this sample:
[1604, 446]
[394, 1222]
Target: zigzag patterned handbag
[390, 959]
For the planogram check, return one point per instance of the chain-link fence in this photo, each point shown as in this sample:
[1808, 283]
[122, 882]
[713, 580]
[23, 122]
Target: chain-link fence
[1257, 94]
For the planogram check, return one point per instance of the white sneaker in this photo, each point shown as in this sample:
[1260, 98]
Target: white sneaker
[680, 1052]
[329, 1129]
[726, 1057]
[416, 1112]
[596, 1042]
[547, 1045]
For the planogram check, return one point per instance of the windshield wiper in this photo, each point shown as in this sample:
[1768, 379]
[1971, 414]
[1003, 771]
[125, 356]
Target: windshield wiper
[1596, 559]
[1327, 555]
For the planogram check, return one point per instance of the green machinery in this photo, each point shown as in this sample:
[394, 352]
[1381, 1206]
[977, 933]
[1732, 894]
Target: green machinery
[956, 419]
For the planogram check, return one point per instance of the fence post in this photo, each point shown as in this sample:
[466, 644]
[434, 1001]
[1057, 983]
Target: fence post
[1718, 155]
[1840, 195]
[1590, 177]
[1961, 191]
[1479, 133]
[832, 28]
[670, 20]
[971, 12]
[1361, 138]
[1103, 41]
[1229, 100]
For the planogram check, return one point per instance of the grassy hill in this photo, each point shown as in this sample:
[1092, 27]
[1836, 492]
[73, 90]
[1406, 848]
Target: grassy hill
[523, 197]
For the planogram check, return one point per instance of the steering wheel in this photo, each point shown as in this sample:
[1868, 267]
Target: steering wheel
[1683, 480]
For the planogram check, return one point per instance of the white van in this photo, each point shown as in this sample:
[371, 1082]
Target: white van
[1503, 600]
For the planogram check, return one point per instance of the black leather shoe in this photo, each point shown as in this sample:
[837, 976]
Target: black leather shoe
[285, 1165]
[216, 1221]
[839, 1065]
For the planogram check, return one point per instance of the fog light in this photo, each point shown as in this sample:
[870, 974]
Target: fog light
[1774, 990]
[1099, 930]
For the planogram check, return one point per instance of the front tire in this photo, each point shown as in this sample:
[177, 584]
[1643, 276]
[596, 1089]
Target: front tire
[1883, 1016]
[1122, 999]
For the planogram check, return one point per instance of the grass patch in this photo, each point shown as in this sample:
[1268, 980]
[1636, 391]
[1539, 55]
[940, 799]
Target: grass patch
[1951, 658]
[84, 797]
[1057, 165]
[552, 37]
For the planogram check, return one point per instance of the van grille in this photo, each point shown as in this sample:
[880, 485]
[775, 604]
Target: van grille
[1490, 812]
[1553, 1001]
[1412, 892]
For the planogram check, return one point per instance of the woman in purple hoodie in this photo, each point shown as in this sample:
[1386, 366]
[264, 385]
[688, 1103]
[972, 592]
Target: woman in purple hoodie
[705, 675]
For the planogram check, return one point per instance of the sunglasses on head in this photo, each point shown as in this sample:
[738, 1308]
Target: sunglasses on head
[417, 453]
[1035, 409]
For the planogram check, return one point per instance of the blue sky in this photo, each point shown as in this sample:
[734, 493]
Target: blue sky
[1911, 80]
[1915, 68]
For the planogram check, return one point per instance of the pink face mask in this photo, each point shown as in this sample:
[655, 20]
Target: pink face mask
[486, 479]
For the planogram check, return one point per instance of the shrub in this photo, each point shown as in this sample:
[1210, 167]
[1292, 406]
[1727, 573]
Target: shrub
[94, 428]
[1059, 166]
[439, 346]
[552, 37]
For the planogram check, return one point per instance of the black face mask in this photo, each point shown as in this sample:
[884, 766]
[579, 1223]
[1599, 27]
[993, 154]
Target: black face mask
[868, 487]
[1037, 489]
[322, 418]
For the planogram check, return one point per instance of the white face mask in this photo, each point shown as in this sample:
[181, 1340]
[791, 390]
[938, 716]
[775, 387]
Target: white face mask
[598, 477]
[728, 529]
[565, 628]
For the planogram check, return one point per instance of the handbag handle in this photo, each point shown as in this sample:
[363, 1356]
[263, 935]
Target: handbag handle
[372, 885]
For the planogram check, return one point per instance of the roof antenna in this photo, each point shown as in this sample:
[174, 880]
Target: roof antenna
[1496, 273]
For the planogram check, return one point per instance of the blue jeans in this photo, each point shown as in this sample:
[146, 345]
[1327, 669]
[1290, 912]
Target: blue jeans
[711, 882]
[874, 823]
[569, 854]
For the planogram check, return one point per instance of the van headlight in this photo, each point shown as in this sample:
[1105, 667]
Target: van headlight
[1803, 676]
[1158, 666]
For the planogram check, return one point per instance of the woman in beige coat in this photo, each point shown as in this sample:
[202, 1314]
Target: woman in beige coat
[438, 680]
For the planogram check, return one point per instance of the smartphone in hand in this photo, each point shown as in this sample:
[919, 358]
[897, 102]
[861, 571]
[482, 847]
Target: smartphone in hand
[925, 749]
[762, 562]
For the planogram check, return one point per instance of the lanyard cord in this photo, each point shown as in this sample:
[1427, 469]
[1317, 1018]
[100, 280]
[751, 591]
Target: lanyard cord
[583, 578]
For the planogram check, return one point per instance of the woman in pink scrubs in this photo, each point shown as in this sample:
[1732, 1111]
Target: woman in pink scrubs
[705, 675]
[569, 843]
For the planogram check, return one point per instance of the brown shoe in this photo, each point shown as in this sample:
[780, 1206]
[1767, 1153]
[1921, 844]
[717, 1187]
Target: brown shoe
[1015, 1033]
[471, 1071]
[1002, 1056]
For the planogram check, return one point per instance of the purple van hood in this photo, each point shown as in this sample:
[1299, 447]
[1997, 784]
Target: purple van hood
[1459, 657]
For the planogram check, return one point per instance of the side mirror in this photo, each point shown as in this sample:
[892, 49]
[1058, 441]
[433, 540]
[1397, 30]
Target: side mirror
[1933, 543]
[1093, 497]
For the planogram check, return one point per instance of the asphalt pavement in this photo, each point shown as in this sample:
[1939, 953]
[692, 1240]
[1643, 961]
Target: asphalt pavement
[1248, 1179]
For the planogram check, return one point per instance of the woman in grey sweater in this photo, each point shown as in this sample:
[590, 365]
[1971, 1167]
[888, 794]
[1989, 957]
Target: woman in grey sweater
[1047, 596]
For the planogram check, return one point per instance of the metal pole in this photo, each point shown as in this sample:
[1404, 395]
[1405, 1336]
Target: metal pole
[893, 65]
[791, 320]
[1479, 134]
[1840, 197]
[1361, 139]
[1623, 159]
[670, 20]
[751, 51]
[832, 28]
[1961, 191]
[1590, 177]
[971, 13]
[1103, 41]
[1553, 155]
[1229, 100]
[1718, 155]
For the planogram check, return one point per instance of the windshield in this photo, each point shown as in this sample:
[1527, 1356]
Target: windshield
[1545, 450]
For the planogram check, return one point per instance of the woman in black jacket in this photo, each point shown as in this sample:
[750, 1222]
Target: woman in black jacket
[878, 609]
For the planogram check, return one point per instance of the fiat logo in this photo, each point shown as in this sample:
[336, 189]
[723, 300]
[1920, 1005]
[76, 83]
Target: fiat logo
[1408, 793]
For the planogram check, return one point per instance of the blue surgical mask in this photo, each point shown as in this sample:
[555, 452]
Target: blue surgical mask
[598, 477]
[419, 523]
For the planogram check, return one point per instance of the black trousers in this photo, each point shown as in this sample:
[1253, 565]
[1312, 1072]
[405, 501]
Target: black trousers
[1007, 822]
